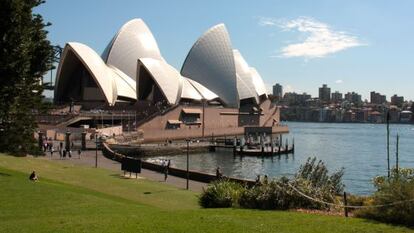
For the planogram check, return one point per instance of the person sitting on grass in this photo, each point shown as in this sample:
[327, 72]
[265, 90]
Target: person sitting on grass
[33, 176]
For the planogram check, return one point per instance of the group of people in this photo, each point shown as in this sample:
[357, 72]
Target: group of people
[63, 152]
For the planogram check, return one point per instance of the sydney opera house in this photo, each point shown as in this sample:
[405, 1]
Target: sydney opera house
[214, 90]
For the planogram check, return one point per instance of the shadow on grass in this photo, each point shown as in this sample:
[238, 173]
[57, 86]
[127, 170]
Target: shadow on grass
[4, 174]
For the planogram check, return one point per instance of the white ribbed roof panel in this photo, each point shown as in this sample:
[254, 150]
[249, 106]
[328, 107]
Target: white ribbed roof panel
[258, 82]
[96, 67]
[167, 78]
[245, 84]
[189, 91]
[211, 63]
[244, 90]
[133, 41]
[126, 86]
[205, 93]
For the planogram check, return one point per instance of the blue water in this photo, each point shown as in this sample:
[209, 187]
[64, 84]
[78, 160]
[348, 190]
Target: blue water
[359, 148]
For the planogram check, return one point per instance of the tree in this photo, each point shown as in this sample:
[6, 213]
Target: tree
[25, 56]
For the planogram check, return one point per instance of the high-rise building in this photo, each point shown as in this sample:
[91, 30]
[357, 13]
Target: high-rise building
[377, 98]
[353, 97]
[325, 93]
[397, 100]
[278, 90]
[336, 97]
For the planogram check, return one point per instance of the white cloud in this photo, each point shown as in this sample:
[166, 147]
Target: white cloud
[319, 38]
[264, 21]
[339, 81]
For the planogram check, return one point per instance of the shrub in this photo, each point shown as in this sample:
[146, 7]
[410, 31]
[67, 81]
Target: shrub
[221, 193]
[317, 176]
[312, 180]
[271, 195]
[399, 187]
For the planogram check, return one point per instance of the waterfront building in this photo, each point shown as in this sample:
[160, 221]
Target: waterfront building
[377, 98]
[375, 117]
[397, 100]
[216, 91]
[394, 114]
[325, 93]
[326, 114]
[361, 115]
[406, 116]
[349, 116]
[278, 90]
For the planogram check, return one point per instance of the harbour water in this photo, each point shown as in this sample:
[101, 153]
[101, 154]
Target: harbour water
[359, 148]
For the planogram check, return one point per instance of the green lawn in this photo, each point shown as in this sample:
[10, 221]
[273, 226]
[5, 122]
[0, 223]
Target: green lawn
[80, 199]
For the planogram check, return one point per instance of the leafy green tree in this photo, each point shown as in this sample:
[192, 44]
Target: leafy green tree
[25, 56]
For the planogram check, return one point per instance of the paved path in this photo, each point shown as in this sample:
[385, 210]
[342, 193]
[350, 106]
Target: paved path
[88, 159]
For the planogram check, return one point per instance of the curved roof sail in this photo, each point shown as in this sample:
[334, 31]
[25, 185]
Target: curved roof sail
[133, 41]
[167, 78]
[126, 86]
[258, 82]
[245, 85]
[210, 62]
[95, 66]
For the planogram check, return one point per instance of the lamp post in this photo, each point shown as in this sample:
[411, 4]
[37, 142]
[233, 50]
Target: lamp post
[96, 149]
[188, 162]
[388, 142]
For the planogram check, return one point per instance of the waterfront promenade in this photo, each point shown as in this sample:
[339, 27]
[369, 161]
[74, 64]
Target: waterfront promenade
[87, 158]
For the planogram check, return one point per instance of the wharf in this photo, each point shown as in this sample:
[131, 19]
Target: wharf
[259, 152]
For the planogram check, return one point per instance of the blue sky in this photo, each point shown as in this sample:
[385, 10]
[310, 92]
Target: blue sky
[350, 45]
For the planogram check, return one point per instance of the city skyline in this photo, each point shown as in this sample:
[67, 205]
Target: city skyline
[361, 46]
[387, 98]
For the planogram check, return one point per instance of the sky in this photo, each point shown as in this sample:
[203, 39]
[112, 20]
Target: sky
[351, 45]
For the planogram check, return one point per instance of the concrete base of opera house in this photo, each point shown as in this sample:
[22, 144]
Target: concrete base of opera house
[177, 123]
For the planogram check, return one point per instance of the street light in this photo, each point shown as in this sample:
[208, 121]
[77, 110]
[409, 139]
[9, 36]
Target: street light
[188, 163]
[96, 149]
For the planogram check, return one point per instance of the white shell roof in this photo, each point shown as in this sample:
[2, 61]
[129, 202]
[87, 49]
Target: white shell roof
[243, 89]
[211, 63]
[213, 68]
[189, 92]
[126, 86]
[97, 68]
[245, 84]
[167, 78]
[258, 82]
[206, 93]
[133, 41]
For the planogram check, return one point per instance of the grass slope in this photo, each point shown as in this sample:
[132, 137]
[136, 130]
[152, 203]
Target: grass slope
[81, 199]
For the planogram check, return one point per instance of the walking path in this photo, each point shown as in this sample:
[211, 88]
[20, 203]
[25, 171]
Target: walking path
[88, 158]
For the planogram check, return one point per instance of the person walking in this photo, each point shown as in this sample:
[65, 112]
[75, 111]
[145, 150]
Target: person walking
[165, 173]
